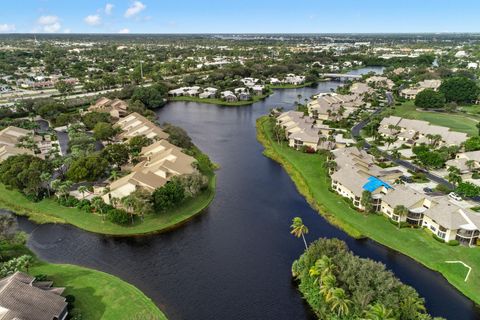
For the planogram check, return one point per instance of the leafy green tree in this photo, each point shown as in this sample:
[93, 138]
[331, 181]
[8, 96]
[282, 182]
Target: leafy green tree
[429, 98]
[459, 89]
[178, 136]
[64, 87]
[168, 196]
[21, 263]
[136, 144]
[24, 173]
[116, 154]
[298, 229]
[88, 168]
[105, 131]
[91, 119]
[152, 97]
[468, 189]
[472, 144]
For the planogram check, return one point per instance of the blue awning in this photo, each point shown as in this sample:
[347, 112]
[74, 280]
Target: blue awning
[374, 183]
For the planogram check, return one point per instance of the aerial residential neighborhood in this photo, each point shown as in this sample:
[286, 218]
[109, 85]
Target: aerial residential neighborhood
[254, 160]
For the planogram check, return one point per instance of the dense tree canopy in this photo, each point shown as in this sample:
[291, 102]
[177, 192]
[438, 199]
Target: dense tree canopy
[152, 97]
[472, 144]
[104, 131]
[88, 168]
[178, 136]
[430, 99]
[168, 196]
[116, 154]
[340, 285]
[91, 119]
[23, 172]
[460, 90]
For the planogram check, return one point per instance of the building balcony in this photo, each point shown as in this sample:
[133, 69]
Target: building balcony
[416, 216]
[467, 234]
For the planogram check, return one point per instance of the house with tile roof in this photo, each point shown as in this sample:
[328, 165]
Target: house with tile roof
[23, 298]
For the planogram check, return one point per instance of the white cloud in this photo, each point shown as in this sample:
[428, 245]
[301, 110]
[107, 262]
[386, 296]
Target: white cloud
[93, 20]
[124, 30]
[7, 27]
[67, 31]
[135, 9]
[50, 23]
[46, 20]
[109, 8]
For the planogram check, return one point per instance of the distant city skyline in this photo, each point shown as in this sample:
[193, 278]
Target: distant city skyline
[239, 16]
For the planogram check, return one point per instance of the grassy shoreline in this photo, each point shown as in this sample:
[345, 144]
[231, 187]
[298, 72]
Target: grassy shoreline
[221, 102]
[49, 211]
[99, 295]
[311, 179]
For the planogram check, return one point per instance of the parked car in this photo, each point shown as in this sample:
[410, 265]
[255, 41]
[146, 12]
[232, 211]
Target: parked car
[427, 190]
[455, 196]
[407, 179]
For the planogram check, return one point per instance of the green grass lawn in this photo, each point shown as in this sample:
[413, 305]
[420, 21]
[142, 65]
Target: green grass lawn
[290, 86]
[454, 121]
[311, 178]
[99, 295]
[49, 211]
[223, 102]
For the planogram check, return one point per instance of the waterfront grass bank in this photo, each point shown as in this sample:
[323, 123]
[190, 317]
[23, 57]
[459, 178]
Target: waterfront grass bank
[310, 175]
[99, 295]
[50, 211]
[221, 102]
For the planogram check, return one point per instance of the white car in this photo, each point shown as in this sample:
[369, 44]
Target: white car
[455, 196]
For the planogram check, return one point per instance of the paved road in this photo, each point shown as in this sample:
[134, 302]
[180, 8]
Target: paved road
[356, 134]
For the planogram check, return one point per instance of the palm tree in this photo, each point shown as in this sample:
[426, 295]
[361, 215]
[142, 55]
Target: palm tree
[327, 265]
[396, 154]
[328, 285]
[113, 175]
[401, 211]
[413, 305]
[378, 312]
[366, 201]
[339, 302]
[82, 190]
[129, 203]
[98, 204]
[55, 184]
[454, 176]
[390, 140]
[299, 229]
[470, 164]
[46, 177]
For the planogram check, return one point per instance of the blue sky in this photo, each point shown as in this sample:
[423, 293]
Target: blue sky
[239, 16]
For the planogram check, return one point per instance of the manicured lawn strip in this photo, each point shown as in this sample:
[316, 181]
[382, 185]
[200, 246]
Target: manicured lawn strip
[454, 121]
[222, 102]
[49, 211]
[290, 86]
[99, 295]
[311, 178]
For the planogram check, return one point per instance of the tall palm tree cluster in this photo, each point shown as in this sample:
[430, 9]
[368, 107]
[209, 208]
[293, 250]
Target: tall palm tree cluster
[339, 285]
